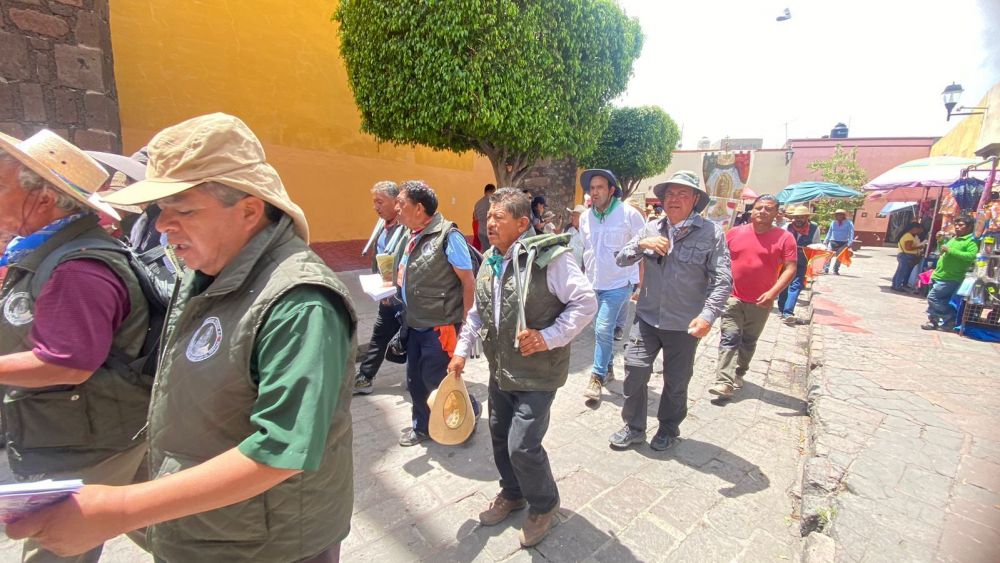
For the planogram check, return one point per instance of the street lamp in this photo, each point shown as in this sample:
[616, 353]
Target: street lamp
[951, 94]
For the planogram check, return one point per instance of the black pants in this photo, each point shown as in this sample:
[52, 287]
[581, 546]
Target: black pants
[679, 349]
[426, 365]
[518, 422]
[836, 246]
[386, 326]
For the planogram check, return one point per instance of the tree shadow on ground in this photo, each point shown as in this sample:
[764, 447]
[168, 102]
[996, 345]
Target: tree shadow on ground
[575, 538]
[752, 391]
[744, 476]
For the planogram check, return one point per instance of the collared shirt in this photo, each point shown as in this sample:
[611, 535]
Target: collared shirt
[840, 231]
[602, 240]
[694, 280]
[565, 280]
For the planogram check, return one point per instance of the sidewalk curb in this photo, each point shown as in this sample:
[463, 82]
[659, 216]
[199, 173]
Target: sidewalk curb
[820, 476]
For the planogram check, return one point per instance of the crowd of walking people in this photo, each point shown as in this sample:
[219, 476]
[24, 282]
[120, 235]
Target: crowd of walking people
[232, 439]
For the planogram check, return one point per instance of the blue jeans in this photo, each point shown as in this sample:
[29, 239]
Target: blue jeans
[905, 264]
[790, 295]
[609, 304]
[939, 308]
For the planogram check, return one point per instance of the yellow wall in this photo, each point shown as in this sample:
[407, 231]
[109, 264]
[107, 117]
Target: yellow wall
[974, 131]
[276, 65]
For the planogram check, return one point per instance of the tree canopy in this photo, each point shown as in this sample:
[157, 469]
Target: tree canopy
[513, 80]
[638, 143]
[841, 168]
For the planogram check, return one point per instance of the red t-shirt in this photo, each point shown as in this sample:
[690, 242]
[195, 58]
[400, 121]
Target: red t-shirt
[757, 259]
[77, 313]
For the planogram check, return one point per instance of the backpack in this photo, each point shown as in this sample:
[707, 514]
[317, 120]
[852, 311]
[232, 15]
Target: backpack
[157, 284]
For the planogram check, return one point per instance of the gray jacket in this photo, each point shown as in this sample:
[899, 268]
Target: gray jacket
[693, 280]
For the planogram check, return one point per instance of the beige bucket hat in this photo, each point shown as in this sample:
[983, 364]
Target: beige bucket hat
[63, 165]
[798, 211]
[210, 148]
[452, 418]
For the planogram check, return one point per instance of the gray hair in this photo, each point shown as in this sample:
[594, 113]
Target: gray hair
[513, 200]
[31, 182]
[229, 196]
[386, 187]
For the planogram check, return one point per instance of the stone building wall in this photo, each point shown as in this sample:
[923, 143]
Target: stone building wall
[57, 71]
[555, 179]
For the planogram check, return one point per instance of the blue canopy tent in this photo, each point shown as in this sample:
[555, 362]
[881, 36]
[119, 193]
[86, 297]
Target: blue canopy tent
[808, 191]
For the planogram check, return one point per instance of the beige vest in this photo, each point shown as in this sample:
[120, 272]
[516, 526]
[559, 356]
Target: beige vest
[69, 427]
[203, 398]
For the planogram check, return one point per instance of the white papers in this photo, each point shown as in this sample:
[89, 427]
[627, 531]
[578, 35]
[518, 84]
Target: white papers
[20, 499]
[374, 286]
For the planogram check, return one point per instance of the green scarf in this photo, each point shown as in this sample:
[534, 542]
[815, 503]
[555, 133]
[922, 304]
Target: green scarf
[602, 216]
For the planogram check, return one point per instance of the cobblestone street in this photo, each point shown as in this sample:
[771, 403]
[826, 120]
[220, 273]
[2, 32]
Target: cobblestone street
[905, 437]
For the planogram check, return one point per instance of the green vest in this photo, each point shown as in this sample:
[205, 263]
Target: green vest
[70, 427]
[541, 371]
[202, 401]
[433, 289]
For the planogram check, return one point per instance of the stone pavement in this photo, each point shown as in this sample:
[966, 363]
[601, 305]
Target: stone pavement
[906, 433]
[728, 491]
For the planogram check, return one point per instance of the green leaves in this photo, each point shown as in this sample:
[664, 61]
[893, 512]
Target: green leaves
[841, 168]
[530, 78]
[638, 143]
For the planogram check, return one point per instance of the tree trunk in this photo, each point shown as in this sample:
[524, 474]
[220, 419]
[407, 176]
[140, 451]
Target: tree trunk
[509, 169]
[629, 186]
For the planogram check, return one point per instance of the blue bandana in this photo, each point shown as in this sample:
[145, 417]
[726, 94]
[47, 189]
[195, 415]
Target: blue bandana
[19, 247]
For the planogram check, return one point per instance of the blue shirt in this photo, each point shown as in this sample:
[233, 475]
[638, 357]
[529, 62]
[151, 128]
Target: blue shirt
[840, 233]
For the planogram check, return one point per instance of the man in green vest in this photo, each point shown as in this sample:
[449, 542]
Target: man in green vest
[72, 319]
[434, 273]
[526, 336]
[249, 425]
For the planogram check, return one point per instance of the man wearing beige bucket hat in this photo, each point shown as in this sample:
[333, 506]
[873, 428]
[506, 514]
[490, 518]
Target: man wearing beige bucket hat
[250, 426]
[72, 320]
[805, 232]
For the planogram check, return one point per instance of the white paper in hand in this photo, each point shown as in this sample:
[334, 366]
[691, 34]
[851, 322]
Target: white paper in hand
[20, 499]
[374, 286]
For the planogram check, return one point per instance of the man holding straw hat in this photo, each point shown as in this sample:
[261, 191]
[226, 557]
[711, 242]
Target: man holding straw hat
[73, 407]
[250, 425]
[531, 300]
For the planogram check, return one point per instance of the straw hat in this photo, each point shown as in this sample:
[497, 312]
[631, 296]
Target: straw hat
[452, 419]
[798, 211]
[63, 165]
[844, 211]
[578, 209]
[210, 148]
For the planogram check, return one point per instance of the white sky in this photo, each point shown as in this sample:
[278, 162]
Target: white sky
[726, 67]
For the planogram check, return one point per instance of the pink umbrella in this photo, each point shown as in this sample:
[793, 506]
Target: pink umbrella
[931, 172]
[748, 193]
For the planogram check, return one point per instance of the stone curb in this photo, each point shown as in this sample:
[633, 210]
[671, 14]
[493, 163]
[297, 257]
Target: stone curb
[820, 477]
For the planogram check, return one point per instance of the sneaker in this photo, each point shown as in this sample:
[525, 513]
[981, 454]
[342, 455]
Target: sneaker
[412, 437]
[619, 333]
[537, 526]
[363, 385]
[662, 441]
[499, 510]
[788, 320]
[593, 391]
[626, 437]
[722, 390]
[929, 325]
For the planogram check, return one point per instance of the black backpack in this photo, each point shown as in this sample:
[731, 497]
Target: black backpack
[157, 284]
[477, 257]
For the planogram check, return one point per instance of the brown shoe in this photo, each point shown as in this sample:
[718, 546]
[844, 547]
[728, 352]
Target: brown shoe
[499, 510]
[537, 526]
[722, 390]
[593, 391]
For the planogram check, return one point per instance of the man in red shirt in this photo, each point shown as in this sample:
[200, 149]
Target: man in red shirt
[763, 261]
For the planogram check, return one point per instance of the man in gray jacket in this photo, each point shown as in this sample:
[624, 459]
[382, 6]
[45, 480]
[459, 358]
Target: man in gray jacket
[687, 281]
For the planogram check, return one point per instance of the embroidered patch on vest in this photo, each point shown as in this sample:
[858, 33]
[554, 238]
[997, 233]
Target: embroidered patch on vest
[206, 340]
[17, 309]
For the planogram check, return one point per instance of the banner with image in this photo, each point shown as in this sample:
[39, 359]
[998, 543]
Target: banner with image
[726, 173]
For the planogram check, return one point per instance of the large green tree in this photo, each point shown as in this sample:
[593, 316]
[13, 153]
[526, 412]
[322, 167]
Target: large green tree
[841, 168]
[638, 143]
[515, 80]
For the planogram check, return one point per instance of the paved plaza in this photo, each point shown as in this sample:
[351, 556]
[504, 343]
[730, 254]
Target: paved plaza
[902, 455]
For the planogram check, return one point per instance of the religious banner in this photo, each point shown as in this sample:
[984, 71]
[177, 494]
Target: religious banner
[721, 211]
[726, 173]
